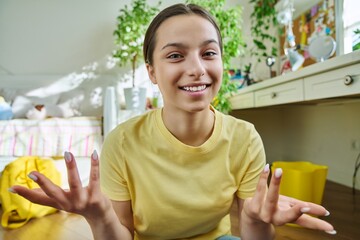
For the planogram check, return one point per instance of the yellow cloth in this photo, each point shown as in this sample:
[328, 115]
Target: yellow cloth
[179, 191]
[17, 210]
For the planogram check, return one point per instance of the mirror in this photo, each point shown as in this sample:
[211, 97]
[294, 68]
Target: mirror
[321, 48]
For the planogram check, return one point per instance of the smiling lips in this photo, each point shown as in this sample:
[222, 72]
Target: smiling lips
[194, 88]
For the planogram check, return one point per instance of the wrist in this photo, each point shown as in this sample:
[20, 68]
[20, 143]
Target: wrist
[105, 217]
[252, 228]
[108, 226]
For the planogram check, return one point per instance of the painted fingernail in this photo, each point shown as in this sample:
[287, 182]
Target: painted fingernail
[332, 232]
[10, 189]
[266, 168]
[327, 213]
[305, 209]
[33, 177]
[67, 157]
[278, 172]
[95, 155]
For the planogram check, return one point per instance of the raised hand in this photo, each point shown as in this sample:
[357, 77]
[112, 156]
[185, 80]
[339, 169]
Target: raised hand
[87, 201]
[268, 206]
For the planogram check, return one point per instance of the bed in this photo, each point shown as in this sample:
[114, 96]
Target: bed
[49, 138]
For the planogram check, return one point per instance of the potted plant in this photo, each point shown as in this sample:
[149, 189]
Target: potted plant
[263, 19]
[132, 23]
[229, 21]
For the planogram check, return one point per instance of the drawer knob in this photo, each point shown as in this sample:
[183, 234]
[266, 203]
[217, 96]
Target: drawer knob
[348, 80]
[273, 95]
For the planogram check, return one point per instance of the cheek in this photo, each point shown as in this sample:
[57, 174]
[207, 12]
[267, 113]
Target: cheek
[217, 72]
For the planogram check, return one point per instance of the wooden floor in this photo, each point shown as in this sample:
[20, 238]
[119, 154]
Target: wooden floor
[344, 208]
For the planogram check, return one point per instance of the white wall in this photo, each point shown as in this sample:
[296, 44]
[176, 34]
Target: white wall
[55, 37]
[320, 133]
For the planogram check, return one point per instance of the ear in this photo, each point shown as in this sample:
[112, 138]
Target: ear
[151, 73]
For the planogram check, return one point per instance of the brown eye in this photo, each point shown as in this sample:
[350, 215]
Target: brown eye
[174, 56]
[209, 54]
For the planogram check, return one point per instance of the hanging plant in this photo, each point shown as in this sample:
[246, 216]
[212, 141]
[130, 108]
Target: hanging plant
[263, 19]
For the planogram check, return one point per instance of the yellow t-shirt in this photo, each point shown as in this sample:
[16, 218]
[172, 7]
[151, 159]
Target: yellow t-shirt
[179, 191]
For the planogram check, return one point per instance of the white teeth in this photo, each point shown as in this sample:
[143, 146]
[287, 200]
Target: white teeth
[195, 89]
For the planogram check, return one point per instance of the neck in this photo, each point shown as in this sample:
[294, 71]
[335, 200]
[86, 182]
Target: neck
[190, 128]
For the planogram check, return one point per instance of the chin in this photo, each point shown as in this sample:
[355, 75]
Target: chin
[198, 107]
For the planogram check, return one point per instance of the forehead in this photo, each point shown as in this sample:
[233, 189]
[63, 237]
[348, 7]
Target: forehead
[189, 27]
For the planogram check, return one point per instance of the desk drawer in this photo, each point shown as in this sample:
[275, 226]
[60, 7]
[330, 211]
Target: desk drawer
[242, 101]
[333, 83]
[280, 94]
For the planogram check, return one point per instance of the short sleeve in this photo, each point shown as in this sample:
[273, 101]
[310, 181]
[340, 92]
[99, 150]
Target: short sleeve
[113, 178]
[253, 164]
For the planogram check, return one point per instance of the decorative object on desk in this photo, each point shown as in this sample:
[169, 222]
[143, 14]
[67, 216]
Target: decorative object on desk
[321, 44]
[129, 35]
[270, 61]
[247, 80]
[237, 77]
[285, 16]
[263, 22]
[295, 58]
[321, 48]
[229, 21]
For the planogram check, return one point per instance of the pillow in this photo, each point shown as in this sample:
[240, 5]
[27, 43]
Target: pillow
[62, 110]
[22, 104]
[70, 102]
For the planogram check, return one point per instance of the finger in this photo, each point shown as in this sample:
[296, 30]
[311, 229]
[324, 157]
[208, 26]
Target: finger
[49, 188]
[313, 209]
[314, 223]
[298, 209]
[272, 198]
[261, 188]
[94, 184]
[301, 206]
[73, 175]
[34, 195]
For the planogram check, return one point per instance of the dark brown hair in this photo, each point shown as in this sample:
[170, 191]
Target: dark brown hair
[174, 10]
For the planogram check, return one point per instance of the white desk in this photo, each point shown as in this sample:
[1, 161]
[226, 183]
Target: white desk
[338, 77]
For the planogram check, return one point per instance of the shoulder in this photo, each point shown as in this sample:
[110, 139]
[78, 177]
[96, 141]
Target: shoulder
[132, 126]
[233, 124]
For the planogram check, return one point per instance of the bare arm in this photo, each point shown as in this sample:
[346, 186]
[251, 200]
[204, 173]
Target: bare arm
[86, 201]
[258, 214]
[124, 214]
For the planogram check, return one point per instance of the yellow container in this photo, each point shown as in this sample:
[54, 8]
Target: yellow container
[302, 180]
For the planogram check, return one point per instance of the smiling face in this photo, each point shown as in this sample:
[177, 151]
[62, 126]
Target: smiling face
[186, 64]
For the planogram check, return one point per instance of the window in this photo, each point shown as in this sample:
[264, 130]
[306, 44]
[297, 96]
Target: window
[350, 23]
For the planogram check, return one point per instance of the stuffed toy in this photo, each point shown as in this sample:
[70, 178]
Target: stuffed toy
[38, 112]
[5, 110]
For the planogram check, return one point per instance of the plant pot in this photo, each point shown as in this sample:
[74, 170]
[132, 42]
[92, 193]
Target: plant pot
[135, 98]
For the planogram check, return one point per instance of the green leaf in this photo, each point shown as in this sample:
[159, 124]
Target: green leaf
[131, 25]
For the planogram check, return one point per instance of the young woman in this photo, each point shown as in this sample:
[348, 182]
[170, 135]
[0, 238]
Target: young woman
[174, 172]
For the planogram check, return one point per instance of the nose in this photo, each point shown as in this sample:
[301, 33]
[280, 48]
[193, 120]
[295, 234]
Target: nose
[196, 67]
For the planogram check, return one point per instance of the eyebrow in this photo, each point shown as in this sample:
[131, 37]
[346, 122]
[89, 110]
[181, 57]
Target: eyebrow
[181, 45]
